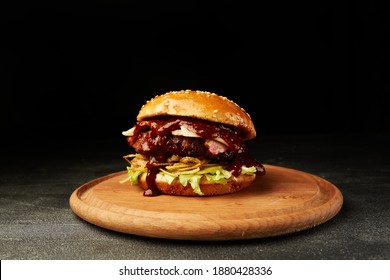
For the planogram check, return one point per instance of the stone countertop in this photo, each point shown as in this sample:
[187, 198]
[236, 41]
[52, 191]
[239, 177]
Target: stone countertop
[37, 180]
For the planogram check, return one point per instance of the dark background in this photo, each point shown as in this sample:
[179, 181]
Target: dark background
[80, 72]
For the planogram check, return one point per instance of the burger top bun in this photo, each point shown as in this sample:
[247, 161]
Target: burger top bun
[201, 105]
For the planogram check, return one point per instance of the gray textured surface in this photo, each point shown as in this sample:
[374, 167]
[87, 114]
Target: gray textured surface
[37, 223]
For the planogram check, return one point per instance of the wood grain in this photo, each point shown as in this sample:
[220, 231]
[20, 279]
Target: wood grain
[283, 201]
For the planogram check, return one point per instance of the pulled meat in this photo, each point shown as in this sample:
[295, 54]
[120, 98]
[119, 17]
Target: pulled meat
[155, 138]
[180, 145]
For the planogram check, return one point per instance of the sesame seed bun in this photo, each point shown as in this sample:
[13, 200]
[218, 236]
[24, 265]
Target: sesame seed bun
[201, 105]
[234, 184]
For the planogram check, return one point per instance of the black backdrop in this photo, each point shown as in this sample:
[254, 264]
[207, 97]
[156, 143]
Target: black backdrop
[79, 71]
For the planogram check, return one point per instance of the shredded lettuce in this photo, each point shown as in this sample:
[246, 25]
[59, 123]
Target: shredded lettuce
[169, 178]
[195, 183]
[134, 174]
[248, 170]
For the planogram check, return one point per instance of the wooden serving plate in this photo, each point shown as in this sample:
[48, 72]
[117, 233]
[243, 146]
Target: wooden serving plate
[280, 202]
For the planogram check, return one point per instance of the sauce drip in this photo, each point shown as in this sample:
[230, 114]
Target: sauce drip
[151, 178]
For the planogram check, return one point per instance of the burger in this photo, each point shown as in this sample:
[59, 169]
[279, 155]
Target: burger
[191, 143]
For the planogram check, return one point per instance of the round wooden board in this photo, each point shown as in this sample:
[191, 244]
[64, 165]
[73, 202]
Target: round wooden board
[283, 201]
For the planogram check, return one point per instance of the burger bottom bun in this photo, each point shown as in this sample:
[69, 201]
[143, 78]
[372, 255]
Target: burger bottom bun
[234, 184]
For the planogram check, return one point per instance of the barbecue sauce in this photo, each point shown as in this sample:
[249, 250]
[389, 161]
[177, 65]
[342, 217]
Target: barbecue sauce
[151, 178]
[163, 127]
